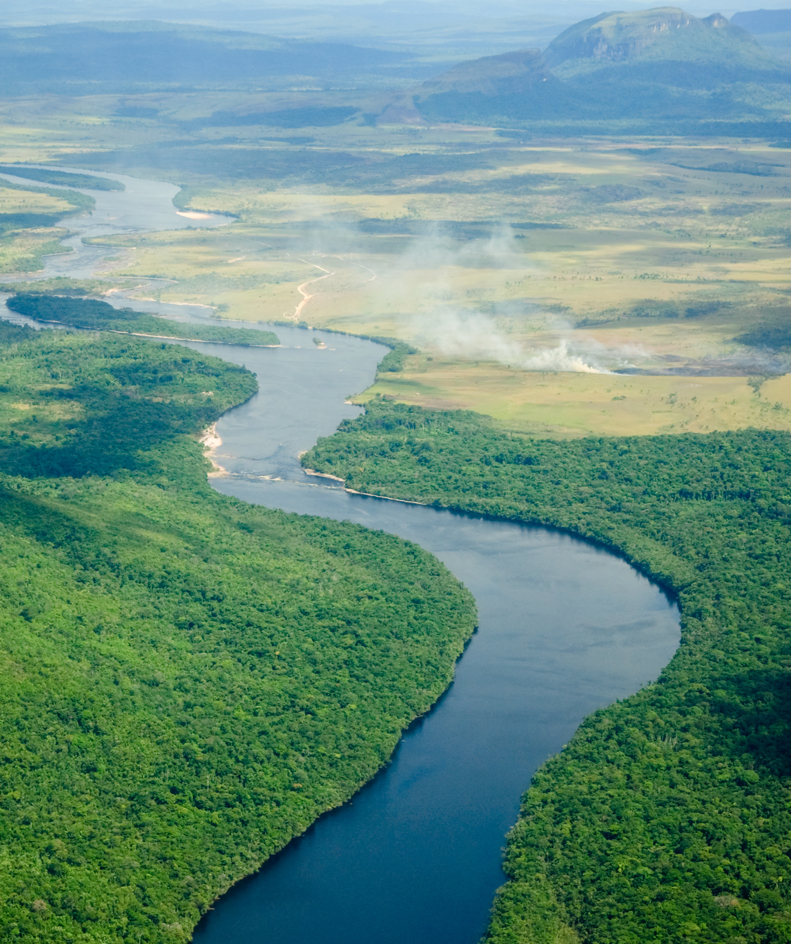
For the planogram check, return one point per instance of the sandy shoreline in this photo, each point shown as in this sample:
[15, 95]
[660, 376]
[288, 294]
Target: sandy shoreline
[211, 442]
[194, 214]
[354, 491]
[322, 475]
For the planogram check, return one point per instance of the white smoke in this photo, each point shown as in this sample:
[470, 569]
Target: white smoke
[424, 283]
[467, 335]
[562, 359]
[475, 336]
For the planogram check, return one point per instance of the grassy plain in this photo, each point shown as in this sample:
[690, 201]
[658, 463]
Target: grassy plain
[26, 224]
[484, 251]
[651, 266]
[570, 404]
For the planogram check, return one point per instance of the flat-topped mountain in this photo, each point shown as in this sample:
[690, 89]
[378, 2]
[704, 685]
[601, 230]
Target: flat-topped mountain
[652, 64]
[662, 34]
[763, 21]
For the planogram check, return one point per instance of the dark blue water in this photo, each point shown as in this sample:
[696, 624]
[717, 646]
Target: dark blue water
[564, 628]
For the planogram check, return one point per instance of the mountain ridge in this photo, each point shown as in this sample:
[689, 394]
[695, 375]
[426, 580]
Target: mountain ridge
[658, 64]
[80, 58]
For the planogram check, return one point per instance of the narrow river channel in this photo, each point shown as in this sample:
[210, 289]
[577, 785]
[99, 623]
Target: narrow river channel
[564, 628]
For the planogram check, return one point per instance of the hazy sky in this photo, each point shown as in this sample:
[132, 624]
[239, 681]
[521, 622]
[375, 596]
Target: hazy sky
[59, 10]
[351, 20]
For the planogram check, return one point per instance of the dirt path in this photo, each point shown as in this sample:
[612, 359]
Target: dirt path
[302, 289]
[306, 295]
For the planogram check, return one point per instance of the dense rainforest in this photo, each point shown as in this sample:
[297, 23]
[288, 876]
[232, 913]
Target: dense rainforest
[186, 681]
[668, 816]
[96, 315]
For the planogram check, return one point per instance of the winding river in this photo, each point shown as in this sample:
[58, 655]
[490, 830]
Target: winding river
[564, 628]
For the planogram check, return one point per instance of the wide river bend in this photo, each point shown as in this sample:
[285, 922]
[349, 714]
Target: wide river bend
[564, 628]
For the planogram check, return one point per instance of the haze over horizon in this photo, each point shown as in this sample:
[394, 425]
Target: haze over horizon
[399, 14]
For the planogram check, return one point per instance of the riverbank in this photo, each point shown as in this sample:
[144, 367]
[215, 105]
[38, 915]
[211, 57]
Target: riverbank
[678, 793]
[210, 668]
[211, 442]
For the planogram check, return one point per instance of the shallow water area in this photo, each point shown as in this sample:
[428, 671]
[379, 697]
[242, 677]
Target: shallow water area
[143, 206]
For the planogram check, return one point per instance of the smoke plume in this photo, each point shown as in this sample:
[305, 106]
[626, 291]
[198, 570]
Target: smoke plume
[474, 336]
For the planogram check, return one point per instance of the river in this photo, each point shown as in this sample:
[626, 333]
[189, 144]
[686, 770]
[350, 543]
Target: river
[564, 628]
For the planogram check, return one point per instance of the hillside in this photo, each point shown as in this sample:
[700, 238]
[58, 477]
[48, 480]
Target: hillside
[654, 65]
[141, 55]
[517, 83]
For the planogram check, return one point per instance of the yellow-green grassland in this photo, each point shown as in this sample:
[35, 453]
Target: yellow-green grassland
[502, 260]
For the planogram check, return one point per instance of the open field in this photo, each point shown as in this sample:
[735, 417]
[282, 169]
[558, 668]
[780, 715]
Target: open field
[495, 256]
[26, 224]
[561, 404]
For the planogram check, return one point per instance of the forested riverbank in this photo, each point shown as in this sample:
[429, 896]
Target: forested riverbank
[93, 314]
[666, 817]
[188, 681]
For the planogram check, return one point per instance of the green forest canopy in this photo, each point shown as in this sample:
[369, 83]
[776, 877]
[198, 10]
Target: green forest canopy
[62, 178]
[668, 816]
[187, 681]
[96, 315]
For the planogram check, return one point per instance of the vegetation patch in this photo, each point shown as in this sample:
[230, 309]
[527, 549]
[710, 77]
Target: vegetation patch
[22, 206]
[314, 116]
[28, 216]
[394, 361]
[777, 337]
[59, 285]
[96, 315]
[64, 178]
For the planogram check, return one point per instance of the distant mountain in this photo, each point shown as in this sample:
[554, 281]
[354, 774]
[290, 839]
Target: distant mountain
[112, 57]
[663, 35]
[772, 29]
[763, 21]
[654, 65]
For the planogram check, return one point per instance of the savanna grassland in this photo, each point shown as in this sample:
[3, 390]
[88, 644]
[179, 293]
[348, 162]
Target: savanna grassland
[630, 260]
[645, 256]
